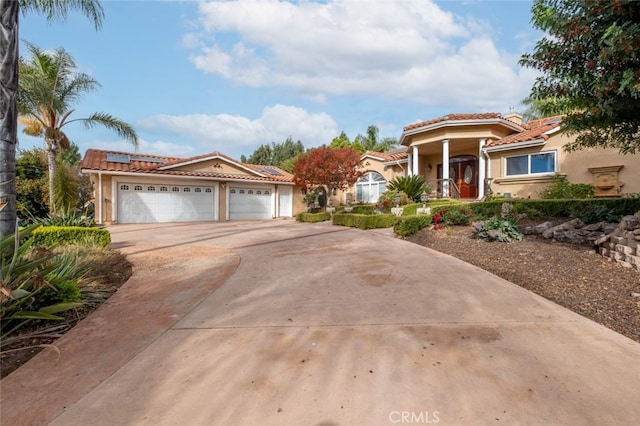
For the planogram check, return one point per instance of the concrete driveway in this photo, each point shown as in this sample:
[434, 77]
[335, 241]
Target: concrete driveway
[281, 323]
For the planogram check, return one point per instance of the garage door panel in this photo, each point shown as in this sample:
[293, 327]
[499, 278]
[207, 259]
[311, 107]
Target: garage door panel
[247, 203]
[145, 203]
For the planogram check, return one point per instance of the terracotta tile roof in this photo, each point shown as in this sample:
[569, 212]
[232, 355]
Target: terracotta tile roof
[454, 117]
[393, 155]
[95, 159]
[114, 161]
[534, 130]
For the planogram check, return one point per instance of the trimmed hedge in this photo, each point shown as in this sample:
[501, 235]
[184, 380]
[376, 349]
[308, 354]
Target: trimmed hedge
[556, 208]
[409, 225]
[313, 217]
[54, 236]
[364, 221]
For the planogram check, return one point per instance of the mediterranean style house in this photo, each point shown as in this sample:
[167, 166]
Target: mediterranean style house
[494, 153]
[464, 156]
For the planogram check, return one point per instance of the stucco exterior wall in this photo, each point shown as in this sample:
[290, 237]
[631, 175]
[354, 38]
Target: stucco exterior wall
[574, 165]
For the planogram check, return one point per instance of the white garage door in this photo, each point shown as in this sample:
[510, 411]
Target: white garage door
[145, 203]
[250, 203]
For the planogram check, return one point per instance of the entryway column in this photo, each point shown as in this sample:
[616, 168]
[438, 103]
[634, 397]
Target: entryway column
[415, 158]
[409, 163]
[445, 168]
[481, 168]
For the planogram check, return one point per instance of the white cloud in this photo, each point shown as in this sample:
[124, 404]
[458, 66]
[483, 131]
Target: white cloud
[399, 49]
[234, 135]
[146, 147]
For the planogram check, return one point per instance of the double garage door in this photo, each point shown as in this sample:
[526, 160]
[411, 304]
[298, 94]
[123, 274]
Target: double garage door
[149, 203]
[146, 203]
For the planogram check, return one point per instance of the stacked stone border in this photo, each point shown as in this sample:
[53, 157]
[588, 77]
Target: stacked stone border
[623, 244]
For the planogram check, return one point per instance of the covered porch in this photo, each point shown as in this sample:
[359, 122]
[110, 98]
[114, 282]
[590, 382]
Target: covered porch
[449, 152]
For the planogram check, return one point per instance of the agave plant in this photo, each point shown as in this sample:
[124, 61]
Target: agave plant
[413, 186]
[66, 216]
[24, 274]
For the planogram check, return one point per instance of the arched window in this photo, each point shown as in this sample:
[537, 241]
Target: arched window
[370, 187]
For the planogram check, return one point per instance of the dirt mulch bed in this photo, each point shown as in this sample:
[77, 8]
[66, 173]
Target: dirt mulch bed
[575, 277]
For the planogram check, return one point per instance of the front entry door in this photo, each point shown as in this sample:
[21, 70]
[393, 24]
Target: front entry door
[463, 170]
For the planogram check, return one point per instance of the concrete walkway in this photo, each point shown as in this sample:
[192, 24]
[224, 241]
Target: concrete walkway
[281, 323]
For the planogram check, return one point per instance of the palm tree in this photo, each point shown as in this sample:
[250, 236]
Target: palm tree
[371, 142]
[48, 87]
[9, 12]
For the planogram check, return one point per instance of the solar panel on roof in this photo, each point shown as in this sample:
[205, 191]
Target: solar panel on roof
[270, 171]
[148, 159]
[118, 158]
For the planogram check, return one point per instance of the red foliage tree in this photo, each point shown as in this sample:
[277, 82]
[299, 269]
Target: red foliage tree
[333, 168]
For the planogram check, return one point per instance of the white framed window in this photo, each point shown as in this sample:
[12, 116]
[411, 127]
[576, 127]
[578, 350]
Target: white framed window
[531, 164]
[163, 189]
[124, 187]
[370, 187]
[137, 188]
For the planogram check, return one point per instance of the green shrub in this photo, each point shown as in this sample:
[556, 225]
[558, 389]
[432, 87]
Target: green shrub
[457, 215]
[54, 236]
[409, 225]
[65, 291]
[313, 217]
[362, 221]
[594, 213]
[556, 208]
[497, 229]
[562, 189]
[363, 209]
[389, 198]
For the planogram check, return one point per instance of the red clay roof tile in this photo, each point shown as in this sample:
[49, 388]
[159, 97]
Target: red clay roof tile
[534, 130]
[454, 117]
[97, 160]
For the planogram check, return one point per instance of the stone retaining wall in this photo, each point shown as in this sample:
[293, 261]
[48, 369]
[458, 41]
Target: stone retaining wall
[623, 244]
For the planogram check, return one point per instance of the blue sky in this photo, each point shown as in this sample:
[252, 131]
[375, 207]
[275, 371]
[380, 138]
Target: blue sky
[195, 77]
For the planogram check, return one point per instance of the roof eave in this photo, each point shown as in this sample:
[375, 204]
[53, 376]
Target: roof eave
[213, 157]
[440, 124]
[516, 145]
[394, 162]
[169, 176]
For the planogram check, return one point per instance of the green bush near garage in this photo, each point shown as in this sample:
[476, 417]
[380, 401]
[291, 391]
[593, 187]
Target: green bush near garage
[365, 221]
[409, 225]
[313, 217]
[56, 236]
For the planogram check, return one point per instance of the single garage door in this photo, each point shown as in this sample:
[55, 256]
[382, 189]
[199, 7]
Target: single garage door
[247, 203]
[146, 203]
